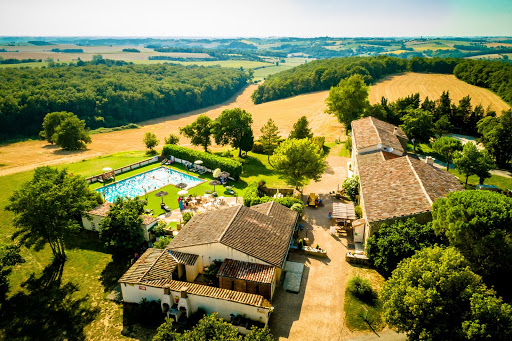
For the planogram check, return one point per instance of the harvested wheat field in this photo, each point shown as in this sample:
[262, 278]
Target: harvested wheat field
[24, 156]
[433, 85]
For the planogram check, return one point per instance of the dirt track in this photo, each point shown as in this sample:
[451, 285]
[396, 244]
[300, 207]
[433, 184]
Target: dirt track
[433, 85]
[25, 156]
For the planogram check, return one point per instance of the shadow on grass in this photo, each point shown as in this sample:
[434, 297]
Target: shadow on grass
[86, 240]
[111, 274]
[47, 310]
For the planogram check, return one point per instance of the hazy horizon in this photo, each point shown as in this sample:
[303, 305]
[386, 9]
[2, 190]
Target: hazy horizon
[265, 18]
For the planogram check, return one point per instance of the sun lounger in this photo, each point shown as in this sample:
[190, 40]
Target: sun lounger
[167, 208]
[163, 162]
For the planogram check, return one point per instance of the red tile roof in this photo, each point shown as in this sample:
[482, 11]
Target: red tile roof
[244, 229]
[369, 132]
[155, 267]
[402, 187]
[101, 210]
[147, 220]
[247, 271]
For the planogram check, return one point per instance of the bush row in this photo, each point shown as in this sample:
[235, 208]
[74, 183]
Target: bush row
[234, 168]
[252, 198]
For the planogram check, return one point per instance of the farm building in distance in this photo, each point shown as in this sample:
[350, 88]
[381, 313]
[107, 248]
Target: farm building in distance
[393, 184]
[252, 244]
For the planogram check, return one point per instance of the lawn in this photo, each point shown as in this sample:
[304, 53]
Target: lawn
[364, 315]
[45, 301]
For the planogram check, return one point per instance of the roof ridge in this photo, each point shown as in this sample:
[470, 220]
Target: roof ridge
[152, 265]
[376, 130]
[270, 207]
[230, 222]
[419, 180]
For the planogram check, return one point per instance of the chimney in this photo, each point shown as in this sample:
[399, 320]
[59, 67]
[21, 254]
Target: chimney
[167, 289]
[184, 292]
[430, 160]
[395, 130]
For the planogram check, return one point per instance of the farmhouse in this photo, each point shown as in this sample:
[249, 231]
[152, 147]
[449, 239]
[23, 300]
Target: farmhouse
[92, 219]
[252, 244]
[393, 184]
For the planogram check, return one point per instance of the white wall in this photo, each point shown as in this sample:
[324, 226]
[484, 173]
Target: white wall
[210, 252]
[133, 294]
[94, 224]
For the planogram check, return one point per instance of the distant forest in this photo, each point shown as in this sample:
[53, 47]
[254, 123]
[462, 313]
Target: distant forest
[108, 96]
[323, 74]
[494, 75]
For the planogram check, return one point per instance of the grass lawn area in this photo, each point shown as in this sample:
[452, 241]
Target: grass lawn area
[361, 315]
[45, 301]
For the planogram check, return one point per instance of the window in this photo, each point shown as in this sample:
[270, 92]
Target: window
[233, 285]
[257, 290]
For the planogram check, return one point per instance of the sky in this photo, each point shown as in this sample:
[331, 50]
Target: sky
[258, 18]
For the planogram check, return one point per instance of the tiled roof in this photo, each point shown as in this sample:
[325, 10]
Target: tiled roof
[365, 159]
[101, 210]
[401, 187]
[243, 229]
[137, 271]
[277, 211]
[154, 269]
[146, 219]
[184, 258]
[437, 182]
[369, 131]
[247, 271]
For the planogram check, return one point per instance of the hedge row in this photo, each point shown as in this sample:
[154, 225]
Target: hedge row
[211, 161]
[252, 198]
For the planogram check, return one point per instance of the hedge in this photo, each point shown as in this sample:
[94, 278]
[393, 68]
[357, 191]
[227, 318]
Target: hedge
[211, 161]
[252, 198]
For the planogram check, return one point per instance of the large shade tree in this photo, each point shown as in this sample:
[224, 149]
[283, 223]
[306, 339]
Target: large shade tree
[71, 134]
[233, 127]
[299, 161]
[395, 242]
[417, 125]
[434, 295]
[50, 122]
[473, 162]
[479, 225]
[121, 229]
[348, 100]
[199, 132]
[49, 207]
[447, 146]
[497, 136]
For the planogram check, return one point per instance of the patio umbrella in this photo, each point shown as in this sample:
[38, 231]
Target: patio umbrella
[214, 183]
[161, 194]
[224, 174]
[216, 173]
[198, 162]
[182, 192]
[181, 185]
[107, 169]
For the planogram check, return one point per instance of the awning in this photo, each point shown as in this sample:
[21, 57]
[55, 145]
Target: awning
[343, 211]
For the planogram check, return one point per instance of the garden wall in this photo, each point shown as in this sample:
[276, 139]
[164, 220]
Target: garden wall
[124, 169]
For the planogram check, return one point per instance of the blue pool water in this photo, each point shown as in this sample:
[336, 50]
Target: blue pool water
[138, 185]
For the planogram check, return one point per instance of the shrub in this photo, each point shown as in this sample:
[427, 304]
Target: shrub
[351, 187]
[257, 147]
[158, 230]
[162, 242]
[210, 273]
[319, 141]
[359, 211]
[297, 208]
[211, 161]
[172, 139]
[348, 144]
[361, 288]
[187, 216]
[252, 198]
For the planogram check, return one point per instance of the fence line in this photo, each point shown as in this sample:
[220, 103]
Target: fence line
[123, 169]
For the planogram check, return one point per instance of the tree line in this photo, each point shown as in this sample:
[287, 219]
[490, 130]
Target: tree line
[323, 74]
[103, 95]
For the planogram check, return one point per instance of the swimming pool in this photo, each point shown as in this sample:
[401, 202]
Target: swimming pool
[140, 184]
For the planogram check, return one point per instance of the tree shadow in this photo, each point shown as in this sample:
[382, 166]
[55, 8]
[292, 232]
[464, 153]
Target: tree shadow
[85, 240]
[111, 274]
[47, 310]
